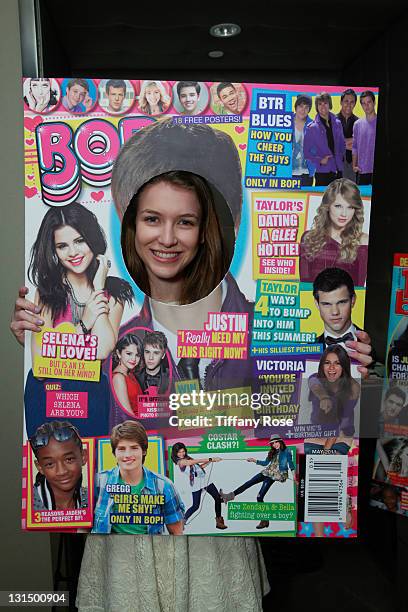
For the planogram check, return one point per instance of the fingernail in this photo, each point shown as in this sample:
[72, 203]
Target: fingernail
[40, 322]
[37, 309]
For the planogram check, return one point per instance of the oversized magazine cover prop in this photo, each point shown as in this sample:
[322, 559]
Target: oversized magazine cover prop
[252, 424]
[390, 474]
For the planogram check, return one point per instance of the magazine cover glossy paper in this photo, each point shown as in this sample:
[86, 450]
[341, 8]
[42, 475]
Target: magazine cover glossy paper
[198, 253]
[390, 475]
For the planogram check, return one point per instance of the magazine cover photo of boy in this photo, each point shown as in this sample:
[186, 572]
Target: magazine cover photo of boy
[132, 499]
[59, 459]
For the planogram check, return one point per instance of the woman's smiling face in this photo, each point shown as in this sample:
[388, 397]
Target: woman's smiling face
[332, 368]
[72, 250]
[129, 356]
[153, 95]
[167, 238]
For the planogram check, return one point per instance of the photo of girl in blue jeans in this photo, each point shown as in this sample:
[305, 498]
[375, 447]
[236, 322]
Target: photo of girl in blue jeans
[277, 463]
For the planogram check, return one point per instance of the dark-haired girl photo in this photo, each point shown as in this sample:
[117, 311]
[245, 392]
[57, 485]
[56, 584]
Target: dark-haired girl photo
[333, 392]
[70, 269]
[277, 463]
[39, 94]
[127, 360]
[199, 481]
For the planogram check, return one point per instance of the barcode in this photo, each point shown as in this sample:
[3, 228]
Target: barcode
[326, 489]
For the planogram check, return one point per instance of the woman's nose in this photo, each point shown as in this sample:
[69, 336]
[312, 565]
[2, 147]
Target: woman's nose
[72, 249]
[168, 235]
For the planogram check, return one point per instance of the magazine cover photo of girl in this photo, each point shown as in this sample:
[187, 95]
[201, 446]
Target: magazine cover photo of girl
[336, 238]
[199, 481]
[330, 403]
[127, 361]
[41, 95]
[154, 98]
[277, 464]
[70, 269]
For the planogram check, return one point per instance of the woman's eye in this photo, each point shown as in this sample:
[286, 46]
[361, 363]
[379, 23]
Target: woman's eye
[151, 219]
[186, 222]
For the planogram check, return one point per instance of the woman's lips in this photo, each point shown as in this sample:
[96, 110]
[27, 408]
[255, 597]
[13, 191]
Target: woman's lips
[76, 261]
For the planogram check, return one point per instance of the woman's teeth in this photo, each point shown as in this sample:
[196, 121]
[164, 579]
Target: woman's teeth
[165, 255]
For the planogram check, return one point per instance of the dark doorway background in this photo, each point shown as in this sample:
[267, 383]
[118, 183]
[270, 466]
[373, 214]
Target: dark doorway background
[360, 43]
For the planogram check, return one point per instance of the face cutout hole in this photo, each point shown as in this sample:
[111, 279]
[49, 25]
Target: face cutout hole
[178, 237]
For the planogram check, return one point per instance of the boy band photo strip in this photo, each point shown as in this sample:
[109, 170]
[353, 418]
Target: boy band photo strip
[198, 255]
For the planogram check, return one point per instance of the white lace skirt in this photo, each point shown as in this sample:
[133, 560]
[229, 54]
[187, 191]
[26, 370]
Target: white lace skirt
[124, 573]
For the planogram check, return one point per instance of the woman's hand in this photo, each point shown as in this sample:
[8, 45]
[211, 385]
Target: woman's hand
[43, 101]
[25, 316]
[326, 405]
[101, 273]
[96, 306]
[251, 460]
[361, 351]
[325, 160]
